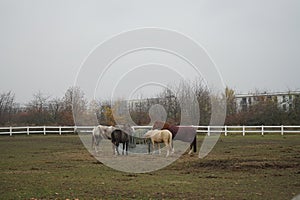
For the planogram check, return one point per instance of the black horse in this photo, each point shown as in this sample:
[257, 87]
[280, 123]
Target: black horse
[121, 136]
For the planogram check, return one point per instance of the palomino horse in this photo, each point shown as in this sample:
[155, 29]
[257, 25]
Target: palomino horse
[160, 136]
[101, 132]
[183, 133]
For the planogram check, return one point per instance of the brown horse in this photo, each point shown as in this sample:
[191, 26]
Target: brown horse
[182, 133]
[160, 136]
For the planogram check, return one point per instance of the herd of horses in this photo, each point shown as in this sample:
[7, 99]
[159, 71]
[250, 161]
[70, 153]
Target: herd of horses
[161, 132]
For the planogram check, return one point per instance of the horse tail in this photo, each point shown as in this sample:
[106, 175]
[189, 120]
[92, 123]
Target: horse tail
[93, 139]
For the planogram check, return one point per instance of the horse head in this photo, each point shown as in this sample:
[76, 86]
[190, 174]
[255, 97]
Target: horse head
[160, 125]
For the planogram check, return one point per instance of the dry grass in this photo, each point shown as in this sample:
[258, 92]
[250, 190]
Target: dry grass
[59, 167]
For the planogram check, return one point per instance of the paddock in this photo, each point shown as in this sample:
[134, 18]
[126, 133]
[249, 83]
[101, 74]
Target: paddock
[54, 166]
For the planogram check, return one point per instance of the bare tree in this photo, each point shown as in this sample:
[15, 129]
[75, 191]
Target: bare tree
[74, 104]
[55, 108]
[139, 109]
[169, 100]
[7, 103]
[39, 102]
[37, 109]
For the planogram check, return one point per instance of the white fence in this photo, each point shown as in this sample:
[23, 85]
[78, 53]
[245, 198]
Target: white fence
[209, 130]
[43, 130]
[248, 129]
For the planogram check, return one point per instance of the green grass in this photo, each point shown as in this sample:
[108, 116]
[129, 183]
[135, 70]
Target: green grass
[59, 167]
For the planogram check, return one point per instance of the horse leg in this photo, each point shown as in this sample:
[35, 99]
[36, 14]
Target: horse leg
[126, 147]
[172, 146]
[153, 147]
[123, 148]
[94, 141]
[159, 151]
[191, 149]
[193, 146]
[168, 148]
[149, 146]
[96, 144]
[117, 148]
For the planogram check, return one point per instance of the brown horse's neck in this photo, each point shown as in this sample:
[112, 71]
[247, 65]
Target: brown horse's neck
[161, 125]
[166, 126]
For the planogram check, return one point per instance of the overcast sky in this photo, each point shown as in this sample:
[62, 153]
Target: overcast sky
[254, 43]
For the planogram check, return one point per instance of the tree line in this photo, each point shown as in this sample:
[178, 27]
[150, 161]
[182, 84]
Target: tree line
[41, 110]
[46, 110]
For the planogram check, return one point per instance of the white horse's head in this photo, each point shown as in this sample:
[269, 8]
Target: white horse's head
[150, 133]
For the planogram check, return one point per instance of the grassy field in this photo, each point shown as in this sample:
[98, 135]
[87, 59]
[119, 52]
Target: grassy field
[59, 167]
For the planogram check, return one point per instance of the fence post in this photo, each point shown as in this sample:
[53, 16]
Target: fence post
[44, 130]
[59, 130]
[262, 129]
[225, 127]
[28, 130]
[10, 131]
[208, 131]
[243, 130]
[282, 131]
[75, 129]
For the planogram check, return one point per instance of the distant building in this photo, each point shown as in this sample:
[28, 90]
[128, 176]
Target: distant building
[20, 107]
[284, 99]
[138, 103]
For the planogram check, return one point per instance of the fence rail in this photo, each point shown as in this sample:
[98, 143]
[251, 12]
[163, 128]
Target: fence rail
[248, 129]
[209, 130]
